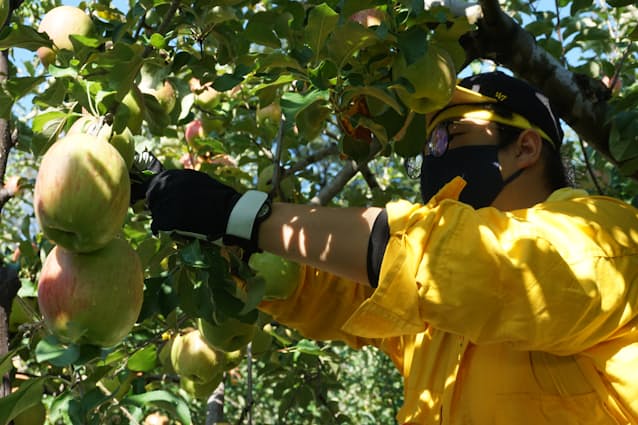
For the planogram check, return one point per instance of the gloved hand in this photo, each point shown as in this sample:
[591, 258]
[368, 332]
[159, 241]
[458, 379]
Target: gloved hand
[145, 166]
[193, 204]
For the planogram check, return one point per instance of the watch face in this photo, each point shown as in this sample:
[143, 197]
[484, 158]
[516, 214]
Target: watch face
[264, 211]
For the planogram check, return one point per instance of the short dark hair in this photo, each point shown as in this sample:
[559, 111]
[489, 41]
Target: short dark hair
[556, 175]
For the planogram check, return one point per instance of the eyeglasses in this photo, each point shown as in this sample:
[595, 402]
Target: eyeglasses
[438, 143]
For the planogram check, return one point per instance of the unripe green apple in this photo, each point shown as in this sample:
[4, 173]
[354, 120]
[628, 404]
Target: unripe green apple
[201, 390]
[165, 95]
[264, 182]
[230, 335]
[59, 23]
[432, 76]
[270, 112]
[194, 359]
[206, 97]
[280, 275]
[124, 142]
[82, 193]
[134, 101]
[92, 298]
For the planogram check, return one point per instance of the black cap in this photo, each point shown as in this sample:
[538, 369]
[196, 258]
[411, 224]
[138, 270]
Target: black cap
[497, 89]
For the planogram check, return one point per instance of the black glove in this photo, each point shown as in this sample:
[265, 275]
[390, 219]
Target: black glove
[145, 166]
[193, 204]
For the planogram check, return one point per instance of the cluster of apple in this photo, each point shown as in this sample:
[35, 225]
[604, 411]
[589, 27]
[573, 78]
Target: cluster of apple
[91, 284]
[201, 355]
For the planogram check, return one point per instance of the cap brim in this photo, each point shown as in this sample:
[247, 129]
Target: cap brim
[462, 95]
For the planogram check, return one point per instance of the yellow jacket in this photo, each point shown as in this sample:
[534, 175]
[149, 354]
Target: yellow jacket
[522, 317]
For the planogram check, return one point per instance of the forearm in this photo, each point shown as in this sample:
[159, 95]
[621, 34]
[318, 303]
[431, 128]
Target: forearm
[331, 239]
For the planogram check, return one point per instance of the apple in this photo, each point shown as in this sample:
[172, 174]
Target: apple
[201, 390]
[280, 275]
[230, 335]
[156, 418]
[124, 142]
[92, 298]
[34, 415]
[12, 185]
[206, 97]
[89, 124]
[59, 23]
[270, 112]
[5, 6]
[82, 193]
[432, 76]
[194, 359]
[368, 17]
[164, 93]
[164, 356]
[617, 84]
[264, 182]
[134, 101]
[232, 359]
[194, 130]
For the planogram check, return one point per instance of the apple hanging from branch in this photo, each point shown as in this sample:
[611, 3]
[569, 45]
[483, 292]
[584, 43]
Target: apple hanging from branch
[82, 193]
[59, 23]
[92, 298]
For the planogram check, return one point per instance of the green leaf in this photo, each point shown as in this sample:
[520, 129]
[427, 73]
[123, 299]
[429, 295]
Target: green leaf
[255, 290]
[6, 363]
[413, 44]
[49, 123]
[278, 60]
[163, 400]
[51, 350]
[261, 29]
[307, 346]
[21, 36]
[19, 87]
[380, 93]
[192, 255]
[578, 5]
[322, 21]
[309, 111]
[412, 142]
[623, 137]
[346, 40]
[143, 360]
[29, 394]
[621, 3]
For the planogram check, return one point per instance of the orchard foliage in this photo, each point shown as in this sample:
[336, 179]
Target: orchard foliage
[306, 99]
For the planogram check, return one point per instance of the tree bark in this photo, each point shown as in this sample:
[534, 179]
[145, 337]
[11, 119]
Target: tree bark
[9, 285]
[581, 101]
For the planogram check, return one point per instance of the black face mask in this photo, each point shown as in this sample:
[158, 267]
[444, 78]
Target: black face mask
[479, 167]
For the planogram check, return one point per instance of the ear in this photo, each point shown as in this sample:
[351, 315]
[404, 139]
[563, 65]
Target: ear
[528, 148]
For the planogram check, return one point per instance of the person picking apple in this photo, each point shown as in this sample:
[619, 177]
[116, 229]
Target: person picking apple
[505, 297]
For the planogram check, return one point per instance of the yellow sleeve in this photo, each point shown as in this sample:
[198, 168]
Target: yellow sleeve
[319, 306]
[560, 277]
